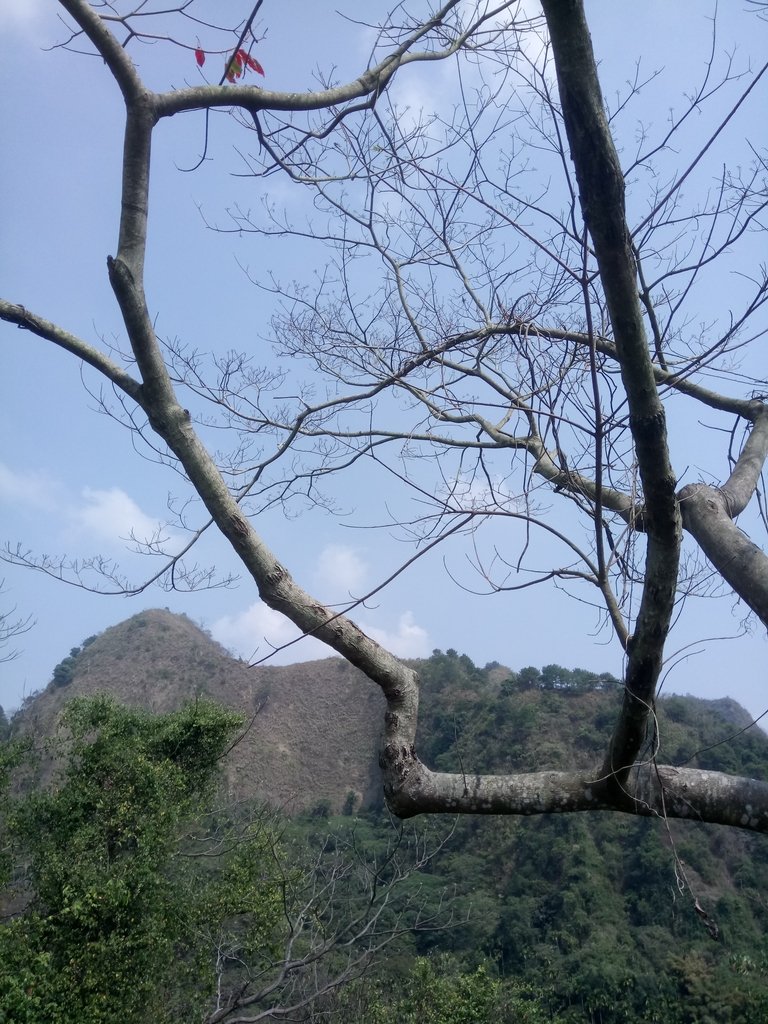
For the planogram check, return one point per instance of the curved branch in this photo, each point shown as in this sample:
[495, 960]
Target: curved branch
[708, 514]
[254, 99]
[741, 563]
[744, 407]
[115, 56]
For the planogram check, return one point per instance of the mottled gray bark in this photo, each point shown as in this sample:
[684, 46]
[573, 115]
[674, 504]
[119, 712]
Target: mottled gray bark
[601, 192]
[708, 514]
[650, 791]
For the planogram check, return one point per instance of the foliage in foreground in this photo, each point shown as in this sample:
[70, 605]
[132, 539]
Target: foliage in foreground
[131, 901]
[443, 990]
[115, 923]
[575, 919]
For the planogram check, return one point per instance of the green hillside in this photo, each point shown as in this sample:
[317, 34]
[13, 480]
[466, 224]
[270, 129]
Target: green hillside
[599, 918]
[610, 918]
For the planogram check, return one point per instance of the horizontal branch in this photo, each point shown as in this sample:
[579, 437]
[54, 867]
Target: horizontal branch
[650, 791]
[370, 83]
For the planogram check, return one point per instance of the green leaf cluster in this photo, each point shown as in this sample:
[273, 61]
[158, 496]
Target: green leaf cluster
[437, 991]
[120, 921]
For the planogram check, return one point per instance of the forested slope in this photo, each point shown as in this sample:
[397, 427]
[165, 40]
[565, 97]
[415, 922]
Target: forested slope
[599, 917]
[610, 918]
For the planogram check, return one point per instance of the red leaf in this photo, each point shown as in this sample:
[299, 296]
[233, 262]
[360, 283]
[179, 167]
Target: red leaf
[252, 63]
[199, 57]
[238, 63]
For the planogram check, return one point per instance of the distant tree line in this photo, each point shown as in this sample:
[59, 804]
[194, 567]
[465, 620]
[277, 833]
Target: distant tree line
[449, 667]
[64, 672]
[555, 677]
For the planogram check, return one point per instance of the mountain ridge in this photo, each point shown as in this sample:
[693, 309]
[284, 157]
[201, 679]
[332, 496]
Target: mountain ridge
[312, 729]
[159, 660]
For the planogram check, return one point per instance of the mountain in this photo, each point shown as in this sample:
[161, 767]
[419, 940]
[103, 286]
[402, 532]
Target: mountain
[608, 918]
[312, 729]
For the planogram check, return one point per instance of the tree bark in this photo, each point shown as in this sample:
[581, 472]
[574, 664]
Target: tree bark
[601, 192]
[650, 791]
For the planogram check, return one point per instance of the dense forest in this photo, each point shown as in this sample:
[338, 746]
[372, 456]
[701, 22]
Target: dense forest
[134, 889]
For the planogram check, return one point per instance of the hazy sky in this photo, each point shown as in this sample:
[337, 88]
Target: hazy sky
[70, 480]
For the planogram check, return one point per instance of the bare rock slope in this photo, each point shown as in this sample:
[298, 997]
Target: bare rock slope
[312, 729]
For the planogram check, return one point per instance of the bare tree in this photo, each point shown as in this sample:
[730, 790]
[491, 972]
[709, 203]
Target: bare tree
[342, 912]
[518, 324]
[11, 626]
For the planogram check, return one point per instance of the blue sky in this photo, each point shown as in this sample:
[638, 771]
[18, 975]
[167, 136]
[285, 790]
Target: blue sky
[70, 480]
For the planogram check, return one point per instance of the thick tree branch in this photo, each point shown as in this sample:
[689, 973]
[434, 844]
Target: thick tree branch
[115, 56]
[739, 488]
[601, 189]
[708, 514]
[649, 791]
[134, 204]
[741, 563]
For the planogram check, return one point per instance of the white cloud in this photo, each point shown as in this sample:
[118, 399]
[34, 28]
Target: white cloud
[101, 515]
[407, 641]
[341, 573]
[26, 17]
[27, 488]
[257, 631]
[113, 516]
[476, 492]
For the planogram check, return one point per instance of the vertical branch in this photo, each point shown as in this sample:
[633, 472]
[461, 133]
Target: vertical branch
[598, 420]
[601, 189]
